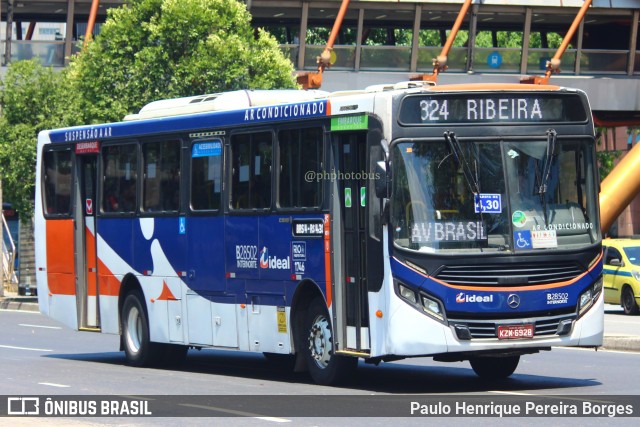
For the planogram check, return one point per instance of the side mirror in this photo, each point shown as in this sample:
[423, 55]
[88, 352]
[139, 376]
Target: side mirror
[616, 262]
[381, 183]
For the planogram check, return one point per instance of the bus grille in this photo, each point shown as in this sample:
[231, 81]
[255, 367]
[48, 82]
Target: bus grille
[508, 274]
[543, 326]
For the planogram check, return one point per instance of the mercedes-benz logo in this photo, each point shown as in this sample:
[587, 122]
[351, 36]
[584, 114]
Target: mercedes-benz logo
[513, 300]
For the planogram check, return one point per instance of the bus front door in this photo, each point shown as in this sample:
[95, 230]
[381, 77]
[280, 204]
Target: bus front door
[86, 267]
[349, 239]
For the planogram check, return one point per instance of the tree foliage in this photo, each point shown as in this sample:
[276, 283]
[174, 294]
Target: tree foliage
[147, 50]
[154, 49]
[32, 98]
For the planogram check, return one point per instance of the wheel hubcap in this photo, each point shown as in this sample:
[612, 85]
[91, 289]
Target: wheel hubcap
[320, 342]
[134, 329]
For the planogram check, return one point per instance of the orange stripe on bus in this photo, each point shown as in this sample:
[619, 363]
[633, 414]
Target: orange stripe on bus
[108, 283]
[60, 259]
[166, 294]
[327, 258]
[515, 288]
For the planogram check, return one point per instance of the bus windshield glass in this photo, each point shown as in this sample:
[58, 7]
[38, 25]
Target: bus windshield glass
[452, 195]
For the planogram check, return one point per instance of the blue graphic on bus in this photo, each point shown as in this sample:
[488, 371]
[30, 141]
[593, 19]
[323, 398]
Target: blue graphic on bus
[207, 149]
[488, 203]
[522, 239]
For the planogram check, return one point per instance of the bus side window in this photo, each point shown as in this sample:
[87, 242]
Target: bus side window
[206, 181]
[251, 171]
[120, 165]
[300, 173]
[161, 185]
[57, 182]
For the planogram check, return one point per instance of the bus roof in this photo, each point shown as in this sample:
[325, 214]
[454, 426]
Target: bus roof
[206, 112]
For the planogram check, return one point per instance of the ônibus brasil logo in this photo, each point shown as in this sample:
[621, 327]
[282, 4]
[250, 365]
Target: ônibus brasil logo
[273, 262]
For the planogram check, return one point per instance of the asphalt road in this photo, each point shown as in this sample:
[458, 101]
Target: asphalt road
[39, 357]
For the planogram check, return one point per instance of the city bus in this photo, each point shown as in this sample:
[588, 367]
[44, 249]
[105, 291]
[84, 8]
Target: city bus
[458, 222]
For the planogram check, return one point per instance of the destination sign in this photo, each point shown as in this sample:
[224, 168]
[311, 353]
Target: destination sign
[307, 228]
[493, 108]
[448, 231]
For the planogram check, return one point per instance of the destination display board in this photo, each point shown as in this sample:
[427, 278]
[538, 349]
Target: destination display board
[491, 108]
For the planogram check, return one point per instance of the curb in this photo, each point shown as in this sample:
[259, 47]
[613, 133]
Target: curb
[621, 343]
[22, 304]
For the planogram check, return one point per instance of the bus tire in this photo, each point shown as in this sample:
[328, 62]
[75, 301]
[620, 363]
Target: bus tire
[494, 368]
[138, 348]
[325, 367]
[628, 301]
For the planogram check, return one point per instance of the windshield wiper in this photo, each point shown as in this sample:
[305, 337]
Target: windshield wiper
[451, 139]
[546, 171]
[546, 168]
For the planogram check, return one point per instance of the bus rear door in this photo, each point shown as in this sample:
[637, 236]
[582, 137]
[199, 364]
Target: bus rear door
[85, 240]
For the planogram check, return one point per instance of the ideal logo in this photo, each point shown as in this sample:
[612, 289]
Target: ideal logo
[264, 258]
[462, 297]
[273, 262]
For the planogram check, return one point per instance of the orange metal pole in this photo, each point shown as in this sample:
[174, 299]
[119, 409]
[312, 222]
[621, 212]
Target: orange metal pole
[440, 63]
[337, 24]
[32, 27]
[314, 80]
[555, 61]
[619, 188]
[454, 30]
[92, 21]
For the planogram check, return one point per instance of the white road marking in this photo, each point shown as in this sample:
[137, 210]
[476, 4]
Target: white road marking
[24, 348]
[234, 412]
[55, 385]
[38, 326]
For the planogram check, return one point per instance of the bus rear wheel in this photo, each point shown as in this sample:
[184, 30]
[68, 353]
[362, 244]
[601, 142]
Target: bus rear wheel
[494, 368]
[138, 348]
[325, 367]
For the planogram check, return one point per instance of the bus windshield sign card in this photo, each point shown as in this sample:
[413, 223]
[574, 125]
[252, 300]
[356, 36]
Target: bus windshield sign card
[488, 203]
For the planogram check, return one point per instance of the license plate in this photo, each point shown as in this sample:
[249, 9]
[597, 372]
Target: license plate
[514, 332]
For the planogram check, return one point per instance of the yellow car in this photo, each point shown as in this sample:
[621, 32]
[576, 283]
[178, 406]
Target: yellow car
[622, 273]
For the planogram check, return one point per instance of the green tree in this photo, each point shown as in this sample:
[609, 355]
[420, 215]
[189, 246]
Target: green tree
[606, 158]
[154, 49]
[32, 98]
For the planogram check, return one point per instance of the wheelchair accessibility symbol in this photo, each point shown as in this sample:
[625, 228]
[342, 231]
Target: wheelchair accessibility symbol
[522, 239]
[182, 225]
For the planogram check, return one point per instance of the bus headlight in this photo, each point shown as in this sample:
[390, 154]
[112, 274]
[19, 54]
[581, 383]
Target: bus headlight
[421, 301]
[432, 307]
[588, 297]
[407, 294]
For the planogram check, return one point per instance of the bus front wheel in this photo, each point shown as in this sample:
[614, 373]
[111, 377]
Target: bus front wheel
[494, 368]
[138, 348]
[325, 367]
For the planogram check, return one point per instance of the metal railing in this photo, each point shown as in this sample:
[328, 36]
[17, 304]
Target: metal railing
[8, 255]
[398, 58]
[486, 60]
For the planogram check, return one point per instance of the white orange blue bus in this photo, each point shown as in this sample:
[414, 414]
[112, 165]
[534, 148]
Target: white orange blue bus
[408, 220]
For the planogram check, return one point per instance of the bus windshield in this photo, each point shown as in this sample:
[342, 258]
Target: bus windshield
[453, 195]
